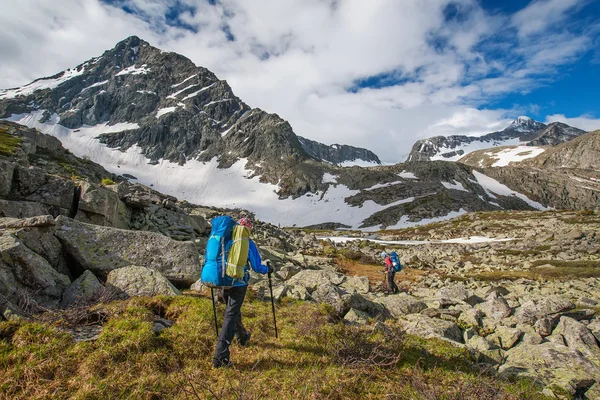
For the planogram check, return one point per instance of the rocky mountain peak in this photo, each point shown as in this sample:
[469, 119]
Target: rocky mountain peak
[159, 105]
[525, 124]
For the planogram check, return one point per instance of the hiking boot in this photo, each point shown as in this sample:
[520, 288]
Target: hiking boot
[243, 340]
[222, 363]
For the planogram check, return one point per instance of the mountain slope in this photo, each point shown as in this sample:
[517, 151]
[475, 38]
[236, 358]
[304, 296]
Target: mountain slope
[555, 134]
[565, 176]
[582, 152]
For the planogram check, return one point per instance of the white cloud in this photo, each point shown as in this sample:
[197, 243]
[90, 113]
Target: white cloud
[299, 58]
[541, 14]
[585, 122]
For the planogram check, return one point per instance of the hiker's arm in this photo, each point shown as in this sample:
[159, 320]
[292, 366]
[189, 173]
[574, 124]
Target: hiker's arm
[255, 261]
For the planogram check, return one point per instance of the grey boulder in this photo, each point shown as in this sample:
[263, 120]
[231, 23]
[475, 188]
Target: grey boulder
[103, 249]
[82, 291]
[134, 281]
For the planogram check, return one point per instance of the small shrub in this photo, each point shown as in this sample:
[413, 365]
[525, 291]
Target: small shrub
[107, 182]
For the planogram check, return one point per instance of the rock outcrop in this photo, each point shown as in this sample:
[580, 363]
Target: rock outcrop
[134, 281]
[103, 249]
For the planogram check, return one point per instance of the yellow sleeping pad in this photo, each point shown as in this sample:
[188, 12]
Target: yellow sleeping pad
[238, 252]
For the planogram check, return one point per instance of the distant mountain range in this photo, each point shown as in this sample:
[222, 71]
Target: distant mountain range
[157, 119]
[521, 131]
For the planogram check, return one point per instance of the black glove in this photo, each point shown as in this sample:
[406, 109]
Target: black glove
[269, 266]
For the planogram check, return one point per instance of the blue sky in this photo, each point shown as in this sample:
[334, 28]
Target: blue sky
[378, 74]
[572, 89]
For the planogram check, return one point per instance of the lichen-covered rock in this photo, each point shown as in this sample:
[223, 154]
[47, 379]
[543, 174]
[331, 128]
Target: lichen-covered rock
[593, 392]
[24, 272]
[133, 281]
[484, 350]
[104, 207]
[359, 284]
[505, 337]
[426, 327]
[312, 279]
[450, 295]
[21, 209]
[103, 249]
[594, 327]
[356, 317]
[37, 221]
[6, 177]
[198, 287]
[543, 327]
[82, 291]
[43, 242]
[495, 307]
[401, 304]
[470, 317]
[553, 364]
[531, 311]
[330, 294]
[578, 337]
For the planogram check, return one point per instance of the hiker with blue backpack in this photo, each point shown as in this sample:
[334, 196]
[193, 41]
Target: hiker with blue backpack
[392, 265]
[229, 254]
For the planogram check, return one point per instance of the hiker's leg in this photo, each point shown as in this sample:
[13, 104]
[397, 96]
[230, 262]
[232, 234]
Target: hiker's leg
[235, 298]
[240, 330]
[390, 281]
[395, 287]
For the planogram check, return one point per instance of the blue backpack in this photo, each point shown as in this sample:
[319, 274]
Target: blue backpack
[395, 261]
[217, 248]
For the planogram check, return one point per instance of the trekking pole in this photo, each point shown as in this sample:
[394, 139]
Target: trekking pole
[273, 305]
[212, 296]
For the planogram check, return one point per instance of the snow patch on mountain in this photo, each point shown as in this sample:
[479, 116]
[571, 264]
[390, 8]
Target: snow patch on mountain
[189, 96]
[407, 175]
[461, 150]
[134, 71]
[491, 185]
[405, 223]
[358, 163]
[94, 85]
[329, 178]
[164, 111]
[184, 81]
[382, 185]
[514, 154]
[455, 186]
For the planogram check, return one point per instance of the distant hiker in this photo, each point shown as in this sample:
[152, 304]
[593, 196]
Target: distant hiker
[392, 265]
[229, 252]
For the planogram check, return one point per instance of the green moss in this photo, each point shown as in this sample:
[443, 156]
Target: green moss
[8, 143]
[107, 182]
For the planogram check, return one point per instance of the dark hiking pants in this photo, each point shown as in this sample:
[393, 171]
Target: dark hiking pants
[232, 323]
[392, 287]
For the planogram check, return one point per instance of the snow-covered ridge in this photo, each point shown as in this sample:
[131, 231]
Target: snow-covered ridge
[41, 84]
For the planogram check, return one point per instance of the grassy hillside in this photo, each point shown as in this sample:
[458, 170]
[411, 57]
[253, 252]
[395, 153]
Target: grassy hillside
[314, 358]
